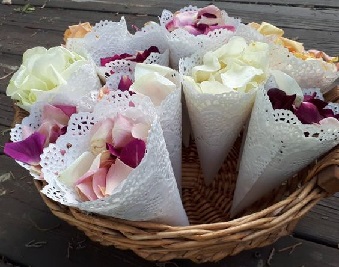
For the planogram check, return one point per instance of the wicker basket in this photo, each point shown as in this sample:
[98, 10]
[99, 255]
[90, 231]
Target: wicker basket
[212, 235]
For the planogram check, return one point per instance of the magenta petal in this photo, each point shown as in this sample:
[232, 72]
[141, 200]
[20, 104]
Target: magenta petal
[28, 150]
[125, 83]
[280, 100]
[68, 110]
[308, 113]
[133, 153]
[114, 151]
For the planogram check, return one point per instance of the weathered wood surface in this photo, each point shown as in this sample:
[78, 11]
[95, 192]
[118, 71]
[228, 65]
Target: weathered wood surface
[24, 217]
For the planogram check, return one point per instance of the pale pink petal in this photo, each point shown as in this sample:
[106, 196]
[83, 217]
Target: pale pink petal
[68, 110]
[26, 131]
[101, 133]
[54, 115]
[85, 190]
[99, 182]
[122, 131]
[140, 131]
[116, 174]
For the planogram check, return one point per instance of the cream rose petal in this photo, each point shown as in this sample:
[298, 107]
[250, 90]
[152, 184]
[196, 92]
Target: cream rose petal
[77, 169]
[288, 85]
[140, 131]
[101, 133]
[155, 86]
[214, 87]
[142, 69]
[239, 76]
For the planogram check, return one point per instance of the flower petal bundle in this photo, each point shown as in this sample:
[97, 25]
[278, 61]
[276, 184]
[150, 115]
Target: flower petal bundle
[113, 161]
[219, 96]
[287, 131]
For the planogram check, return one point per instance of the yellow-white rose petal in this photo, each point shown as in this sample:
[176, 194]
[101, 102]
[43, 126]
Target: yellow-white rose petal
[214, 88]
[77, 169]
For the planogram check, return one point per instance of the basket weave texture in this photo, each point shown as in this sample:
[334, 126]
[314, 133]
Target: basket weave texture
[212, 235]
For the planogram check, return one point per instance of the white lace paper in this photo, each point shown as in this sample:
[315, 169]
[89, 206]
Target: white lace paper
[276, 147]
[149, 193]
[108, 38]
[216, 120]
[170, 114]
[183, 44]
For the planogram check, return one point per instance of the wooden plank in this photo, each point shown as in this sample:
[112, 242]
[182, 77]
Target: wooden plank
[294, 17]
[299, 3]
[45, 28]
[321, 223]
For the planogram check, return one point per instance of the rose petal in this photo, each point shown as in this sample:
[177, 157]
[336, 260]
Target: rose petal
[101, 133]
[116, 174]
[140, 131]
[287, 84]
[133, 153]
[280, 100]
[115, 152]
[54, 115]
[85, 190]
[308, 113]
[155, 86]
[68, 110]
[77, 169]
[125, 83]
[99, 182]
[122, 131]
[27, 150]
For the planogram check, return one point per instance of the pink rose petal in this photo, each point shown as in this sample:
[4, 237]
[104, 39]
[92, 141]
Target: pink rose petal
[54, 115]
[133, 153]
[27, 150]
[99, 182]
[140, 131]
[68, 110]
[85, 190]
[115, 152]
[122, 131]
[116, 174]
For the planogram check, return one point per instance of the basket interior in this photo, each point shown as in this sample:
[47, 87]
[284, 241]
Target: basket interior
[212, 204]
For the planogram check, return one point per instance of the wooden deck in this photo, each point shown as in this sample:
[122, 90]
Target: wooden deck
[31, 236]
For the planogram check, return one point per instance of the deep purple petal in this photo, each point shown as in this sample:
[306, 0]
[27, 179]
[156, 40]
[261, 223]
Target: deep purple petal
[308, 113]
[280, 100]
[320, 104]
[68, 110]
[114, 151]
[133, 153]
[125, 83]
[27, 150]
[326, 112]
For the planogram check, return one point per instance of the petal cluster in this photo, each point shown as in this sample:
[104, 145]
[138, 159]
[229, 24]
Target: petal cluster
[198, 22]
[53, 124]
[234, 66]
[117, 146]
